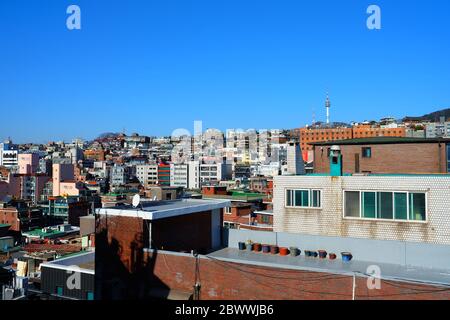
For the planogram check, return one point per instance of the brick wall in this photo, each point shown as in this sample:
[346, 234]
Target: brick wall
[387, 158]
[228, 281]
[183, 233]
[10, 216]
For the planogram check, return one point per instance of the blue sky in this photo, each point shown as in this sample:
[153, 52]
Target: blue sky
[153, 66]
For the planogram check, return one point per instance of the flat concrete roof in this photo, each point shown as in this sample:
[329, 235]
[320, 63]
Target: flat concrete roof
[81, 262]
[388, 271]
[154, 210]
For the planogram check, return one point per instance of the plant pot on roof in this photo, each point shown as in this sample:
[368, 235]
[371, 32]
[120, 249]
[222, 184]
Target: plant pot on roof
[314, 254]
[257, 247]
[284, 251]
[266, 248]
[308, 253]
[274, 249]
[332, 256]
[249, 245]
[346, 256]
[241, 245]
[294, 251]
[322, 254]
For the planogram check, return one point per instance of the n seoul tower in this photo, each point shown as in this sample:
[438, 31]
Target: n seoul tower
[327, 106]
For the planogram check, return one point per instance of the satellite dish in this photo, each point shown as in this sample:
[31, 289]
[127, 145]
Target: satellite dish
[136, 200]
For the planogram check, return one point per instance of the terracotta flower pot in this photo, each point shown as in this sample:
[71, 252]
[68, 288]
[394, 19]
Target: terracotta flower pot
[284, 251]
[257, 247]
[274, 249]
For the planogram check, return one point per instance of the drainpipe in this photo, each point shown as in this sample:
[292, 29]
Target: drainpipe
[354, 287]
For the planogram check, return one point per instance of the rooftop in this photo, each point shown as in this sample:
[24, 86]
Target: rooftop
[153, 210]
[379, 140]
[81, 262]
[390, 271]
[238, 196]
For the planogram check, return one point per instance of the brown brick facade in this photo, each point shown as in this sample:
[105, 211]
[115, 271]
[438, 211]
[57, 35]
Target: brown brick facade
[231, 281]
[421, 158]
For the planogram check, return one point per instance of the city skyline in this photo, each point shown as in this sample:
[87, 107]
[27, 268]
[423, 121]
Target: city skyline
[231, 65]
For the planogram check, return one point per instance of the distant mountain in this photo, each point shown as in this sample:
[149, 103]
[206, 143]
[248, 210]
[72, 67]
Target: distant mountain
[434, 116]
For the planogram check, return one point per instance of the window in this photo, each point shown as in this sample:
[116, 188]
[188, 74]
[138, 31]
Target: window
[385, 205]
[228, 210]
[368, 204]
[400, 206]
[303, 198]
[417, 204]
[59, 291]
[352, 204]
[230, 225]
[316, 198]
[89, 295]
[367, 152]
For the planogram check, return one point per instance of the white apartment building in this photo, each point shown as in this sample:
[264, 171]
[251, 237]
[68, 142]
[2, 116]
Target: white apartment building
[205, 174]
[179, 175]
[213, 173]
[9, 155]
[194, 175]
[9, 158]
[147, 174]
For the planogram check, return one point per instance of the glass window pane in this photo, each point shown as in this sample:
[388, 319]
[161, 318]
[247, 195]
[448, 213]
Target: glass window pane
[400, 206]
[289, 198]
[305, 198]
[368, 204]
[352, 204]
[316, 198]
[417, 206]
[298, 198]
[384, 205]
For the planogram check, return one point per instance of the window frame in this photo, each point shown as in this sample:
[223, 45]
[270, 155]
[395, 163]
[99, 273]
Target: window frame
[363, 155]
[310, 198]
[407, 192]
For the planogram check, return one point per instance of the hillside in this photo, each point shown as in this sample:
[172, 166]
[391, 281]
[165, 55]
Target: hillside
[434, 116]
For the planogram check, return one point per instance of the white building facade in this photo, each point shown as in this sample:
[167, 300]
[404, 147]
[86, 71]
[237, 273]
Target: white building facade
[147, 174]
[403, 207]
[179, 175]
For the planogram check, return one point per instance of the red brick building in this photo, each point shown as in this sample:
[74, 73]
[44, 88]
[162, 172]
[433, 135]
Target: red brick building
[123, 233]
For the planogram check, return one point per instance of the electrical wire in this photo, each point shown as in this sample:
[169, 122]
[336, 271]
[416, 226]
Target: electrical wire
[317, 278]
[245, 274]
